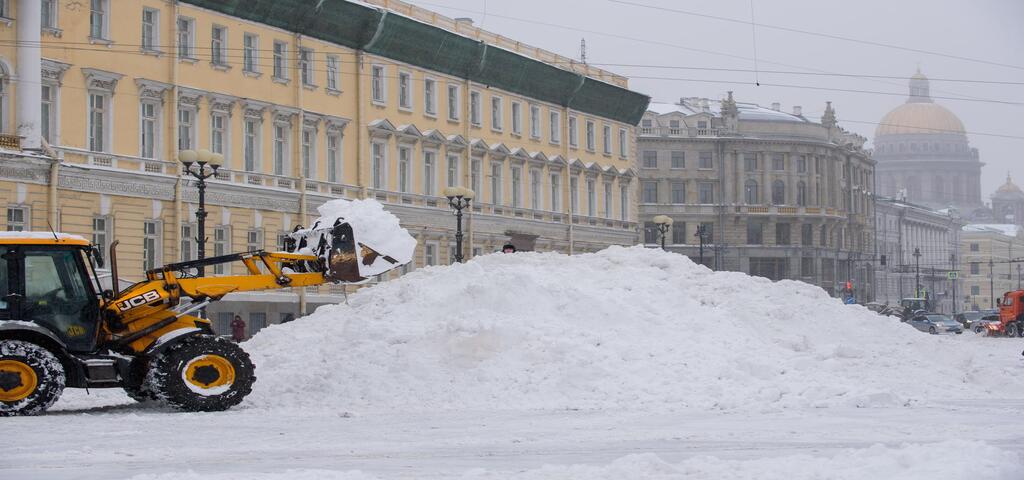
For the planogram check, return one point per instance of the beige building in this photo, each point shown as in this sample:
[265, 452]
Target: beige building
[307, 101]
[780, 196]
[986, 268]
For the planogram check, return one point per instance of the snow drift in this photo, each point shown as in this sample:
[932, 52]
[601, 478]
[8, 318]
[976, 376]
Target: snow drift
[622, 328]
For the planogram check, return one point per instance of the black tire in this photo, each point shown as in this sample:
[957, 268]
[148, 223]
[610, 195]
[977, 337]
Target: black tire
[1012, 330]
[932, 330]
[978, 329]
[221, 374]
[135, 385]
[31, 378]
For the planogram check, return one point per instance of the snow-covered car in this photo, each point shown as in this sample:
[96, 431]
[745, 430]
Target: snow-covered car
[935, 323]
[967, 319]
[981, 324]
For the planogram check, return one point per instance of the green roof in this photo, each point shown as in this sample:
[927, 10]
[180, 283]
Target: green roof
[401, 38]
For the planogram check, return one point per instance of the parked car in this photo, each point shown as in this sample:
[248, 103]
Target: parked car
[981, 324]
[967, 319]
[935, 323]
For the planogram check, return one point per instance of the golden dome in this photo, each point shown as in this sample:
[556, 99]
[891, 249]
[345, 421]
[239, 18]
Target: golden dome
[1009, 187]
[919, 117]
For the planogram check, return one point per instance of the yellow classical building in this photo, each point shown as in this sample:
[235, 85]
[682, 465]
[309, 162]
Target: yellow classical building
[307, 101]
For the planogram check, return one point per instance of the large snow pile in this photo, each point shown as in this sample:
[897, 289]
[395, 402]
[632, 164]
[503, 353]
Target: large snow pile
[622, 328]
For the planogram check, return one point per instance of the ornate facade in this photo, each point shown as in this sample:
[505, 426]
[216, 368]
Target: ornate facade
[779, 196]
[302, 119]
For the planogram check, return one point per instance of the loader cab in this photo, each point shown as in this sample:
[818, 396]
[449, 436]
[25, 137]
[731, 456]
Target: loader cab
[46, 281]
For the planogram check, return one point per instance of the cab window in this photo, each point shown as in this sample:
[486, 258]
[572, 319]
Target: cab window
[56, 295]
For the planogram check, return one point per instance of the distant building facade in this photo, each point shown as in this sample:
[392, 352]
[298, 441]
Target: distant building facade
[1008, 203]
[778, 195]
[901, 230]
[986, 251]
[923, 155]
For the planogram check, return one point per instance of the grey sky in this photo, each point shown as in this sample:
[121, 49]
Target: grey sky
[979, 29]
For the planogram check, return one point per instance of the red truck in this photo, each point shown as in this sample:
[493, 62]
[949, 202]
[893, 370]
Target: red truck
[1011, 315]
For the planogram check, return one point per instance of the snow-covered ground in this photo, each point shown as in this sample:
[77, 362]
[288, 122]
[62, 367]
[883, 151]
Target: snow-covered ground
[628, 363]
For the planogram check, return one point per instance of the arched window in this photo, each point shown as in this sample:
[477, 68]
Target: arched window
[778, 192]
[801, 193]
[750, 192]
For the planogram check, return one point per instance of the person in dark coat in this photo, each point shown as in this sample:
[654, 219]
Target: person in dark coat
[508, 248]
[238, 329]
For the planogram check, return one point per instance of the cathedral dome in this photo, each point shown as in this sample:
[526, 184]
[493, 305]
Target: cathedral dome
[1009, 190]
[919, 115]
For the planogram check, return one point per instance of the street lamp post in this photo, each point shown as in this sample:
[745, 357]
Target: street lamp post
[1018, 276]
[917, 272]
[663, 222]
[702, 234]
[459, 198]
[196, 163]
[991, 283]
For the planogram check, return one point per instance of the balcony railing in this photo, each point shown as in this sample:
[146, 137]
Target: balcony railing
[10, 142]
[679, 132]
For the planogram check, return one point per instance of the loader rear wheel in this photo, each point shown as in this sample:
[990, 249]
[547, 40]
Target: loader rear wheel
[31, 378]
[201, 373]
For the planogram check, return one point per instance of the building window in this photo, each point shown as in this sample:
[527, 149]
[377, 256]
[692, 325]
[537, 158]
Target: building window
[101, 233]
[706, 191]
[975, 290]
[250, 151]
[476, 176]
[150, 29]
[334, 161]
[221, 246]
[574, 134]
[975, 247]
[430, 96]
[453, 170]
[453, 102]
[534, 121]
[591, 136]
[281, 60]
[574, 195]
[98, 18]
[624, 203]
[404, 168]
[706, 161]
[48, 113]
[429, 254]
[778, 162]
[378, 165]
[187, 249]
[749, 162]
[496, 113]
[678, 233]
[778, 193]
[496, 196]
[678, 192]
[807, 234]
[281, 150]
[250, 52]
[607, 131]
[149, 130]
[150, 244]
[591, 198]
[429, 172]
[218, 45]
[535, 195]
[253, 240]
[17, 219]
[801, 193]
[607, 200]
[975, 268]
[405, 90]
[801, 164]
[517, 118]
[782, 231]
[186, 128]
[755, 233]
[48, 14]
[623, 144]
[750, 192]
[649, 192]
[651, 233]
[309, 152]
[650, 158]
[186, 37]
[98, 119]
[517, 187]
[306, 66]
[556, 127]
[218, 132]
[332, 73]
[556, 192]
[678, 159]
[709, 232]
[474, 108]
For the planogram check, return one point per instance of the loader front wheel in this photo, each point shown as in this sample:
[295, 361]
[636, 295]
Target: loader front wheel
[202, 374]
[31, 378]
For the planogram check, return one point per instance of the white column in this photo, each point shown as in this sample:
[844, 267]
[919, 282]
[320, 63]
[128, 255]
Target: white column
[29, 71]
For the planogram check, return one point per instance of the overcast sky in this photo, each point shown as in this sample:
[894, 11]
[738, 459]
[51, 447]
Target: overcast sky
[985, 30]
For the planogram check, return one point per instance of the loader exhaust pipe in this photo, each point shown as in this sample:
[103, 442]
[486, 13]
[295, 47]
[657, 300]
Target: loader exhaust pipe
[115, 281]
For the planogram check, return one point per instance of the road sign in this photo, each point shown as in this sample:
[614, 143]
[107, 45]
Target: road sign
[953, 275]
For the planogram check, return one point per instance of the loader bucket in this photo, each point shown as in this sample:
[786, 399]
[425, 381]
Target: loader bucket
[342, 262]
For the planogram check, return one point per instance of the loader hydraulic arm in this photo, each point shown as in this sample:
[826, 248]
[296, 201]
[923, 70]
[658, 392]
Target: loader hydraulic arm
[280, 270]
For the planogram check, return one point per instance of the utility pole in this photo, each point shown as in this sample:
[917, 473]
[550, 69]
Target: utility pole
[991, 282]
[917, 272]
[952, 268]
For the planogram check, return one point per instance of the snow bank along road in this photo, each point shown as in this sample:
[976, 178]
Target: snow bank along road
[628, 363]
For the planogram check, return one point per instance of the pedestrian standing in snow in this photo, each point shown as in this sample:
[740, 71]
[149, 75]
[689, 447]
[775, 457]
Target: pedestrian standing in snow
[508, 248]
[238, 329]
